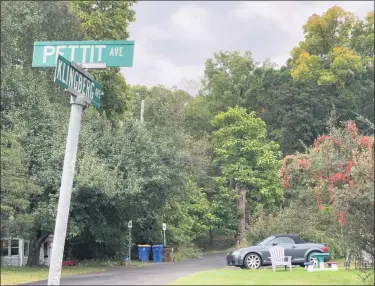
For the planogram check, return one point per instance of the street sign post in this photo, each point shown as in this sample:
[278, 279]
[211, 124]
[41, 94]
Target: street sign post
[70, 60]
[87, 53]
[164, 229]
[59, 235]
[130, 225]
[71, 77]
[84, 91]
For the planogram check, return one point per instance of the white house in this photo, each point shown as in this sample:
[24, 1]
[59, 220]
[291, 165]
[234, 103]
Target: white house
[15, 251]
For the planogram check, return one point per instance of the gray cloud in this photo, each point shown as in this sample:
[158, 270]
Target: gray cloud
[174, 39]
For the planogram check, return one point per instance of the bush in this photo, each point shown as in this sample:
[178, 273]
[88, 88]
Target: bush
[219, 241]
[187, 251]
[99, 263]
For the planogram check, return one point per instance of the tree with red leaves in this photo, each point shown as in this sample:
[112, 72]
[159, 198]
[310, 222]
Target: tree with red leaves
[339, 167]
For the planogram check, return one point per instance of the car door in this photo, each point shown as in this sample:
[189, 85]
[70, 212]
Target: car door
[266, 251]
[302, 248]
[289, 245]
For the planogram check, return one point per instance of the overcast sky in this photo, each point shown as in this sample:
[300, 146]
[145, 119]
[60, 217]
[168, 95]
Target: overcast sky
[173, 39]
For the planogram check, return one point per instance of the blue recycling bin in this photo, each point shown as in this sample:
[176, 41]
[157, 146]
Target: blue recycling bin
[144, 252]
[157, 253]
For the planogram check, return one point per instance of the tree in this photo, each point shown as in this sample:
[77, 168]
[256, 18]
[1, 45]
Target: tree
[246, 159]
[29, 105]
[39, 125]
[340, 169]
[16, 185]
[108, 20]
[331, 53]
[17, 37]
[198, 117]
[228, 79]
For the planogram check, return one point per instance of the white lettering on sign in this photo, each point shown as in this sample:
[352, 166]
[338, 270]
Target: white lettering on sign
[100, 47]
[84, 53]
[48, 51]
[92, 54]
[58, 51]
[59, 69]
[92, 86]
[88, 89]
[88, 52]
[72, 52]
[80, 83]
[76, 80]
[84, 85]
[116, 51]
[71, 75]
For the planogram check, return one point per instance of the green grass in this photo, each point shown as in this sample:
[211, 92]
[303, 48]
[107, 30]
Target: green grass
[299, 276]
[111, 263]
[187, 252]
[18, 275]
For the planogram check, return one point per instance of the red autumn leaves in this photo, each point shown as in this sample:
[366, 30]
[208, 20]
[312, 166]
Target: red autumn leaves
[329, 163]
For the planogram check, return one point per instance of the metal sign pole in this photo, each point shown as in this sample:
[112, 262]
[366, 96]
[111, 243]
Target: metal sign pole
[77, 105]
[130, 226]
[164, 229]
[130, 246]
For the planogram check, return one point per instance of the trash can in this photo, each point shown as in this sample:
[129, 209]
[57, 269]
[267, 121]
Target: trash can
[157, 253]
[168, 254]
[144, 252]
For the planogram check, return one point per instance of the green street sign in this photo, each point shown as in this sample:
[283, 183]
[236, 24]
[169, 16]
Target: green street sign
[112, 53]
[69, 76]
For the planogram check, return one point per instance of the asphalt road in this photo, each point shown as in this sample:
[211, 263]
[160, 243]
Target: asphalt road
[153, 274]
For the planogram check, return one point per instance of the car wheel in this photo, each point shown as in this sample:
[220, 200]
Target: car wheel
[309, 258]
[252, 261]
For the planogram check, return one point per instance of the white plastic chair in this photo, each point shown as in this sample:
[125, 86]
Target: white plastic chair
[278, 258]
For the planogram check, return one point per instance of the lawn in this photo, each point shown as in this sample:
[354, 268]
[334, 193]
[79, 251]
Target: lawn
[18, 275]
[230, 276]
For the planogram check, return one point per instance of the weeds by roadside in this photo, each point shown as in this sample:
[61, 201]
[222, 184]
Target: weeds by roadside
[109, 263]
[19, 275]
[187, 252]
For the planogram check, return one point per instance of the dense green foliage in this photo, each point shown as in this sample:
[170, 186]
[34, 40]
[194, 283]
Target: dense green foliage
[247, 161]
[205, 165]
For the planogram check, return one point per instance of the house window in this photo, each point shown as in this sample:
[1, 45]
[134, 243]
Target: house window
[14, 247]
[4, 248]
[26, 246]
[45, 249]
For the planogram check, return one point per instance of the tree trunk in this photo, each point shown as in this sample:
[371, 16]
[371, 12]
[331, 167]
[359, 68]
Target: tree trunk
[211, 238]
[241, 205]
[248, 215]
[34, 252]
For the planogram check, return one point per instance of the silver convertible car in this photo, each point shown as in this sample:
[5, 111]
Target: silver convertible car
[256, 256]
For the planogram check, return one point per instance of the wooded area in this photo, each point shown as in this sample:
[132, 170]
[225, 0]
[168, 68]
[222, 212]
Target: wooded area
[260, 150]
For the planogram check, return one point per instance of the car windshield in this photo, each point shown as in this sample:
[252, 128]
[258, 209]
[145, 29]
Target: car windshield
[265, 241]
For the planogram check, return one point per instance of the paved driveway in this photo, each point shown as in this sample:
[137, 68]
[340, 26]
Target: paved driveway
[154, 274]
